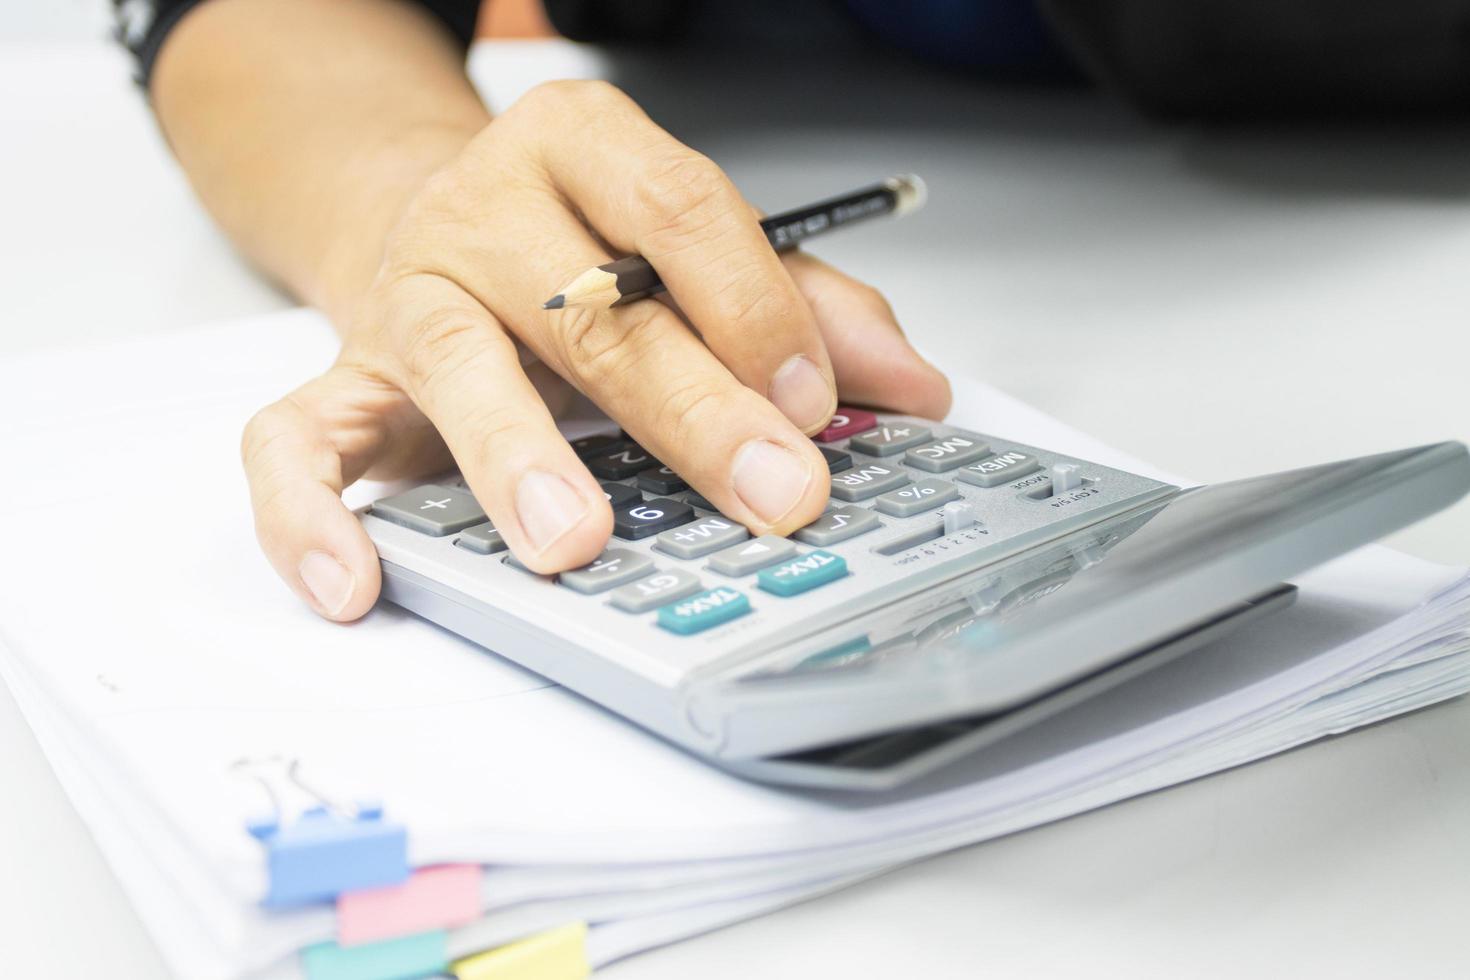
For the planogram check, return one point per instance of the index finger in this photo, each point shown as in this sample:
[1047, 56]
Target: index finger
[644, 191]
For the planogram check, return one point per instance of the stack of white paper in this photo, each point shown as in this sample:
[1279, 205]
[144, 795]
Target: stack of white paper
[152, 649]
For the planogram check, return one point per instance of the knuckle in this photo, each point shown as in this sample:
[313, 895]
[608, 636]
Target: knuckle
[437, 347]
[263, 434]
[569, 94]
[746, 299]
[499, 431]
[597, 346]
[873, 299]
[686, 410]
[686, 194]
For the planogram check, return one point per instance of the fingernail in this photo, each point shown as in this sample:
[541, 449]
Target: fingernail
[801, 393]
[328, 581]
[548, 507]
[771, 480]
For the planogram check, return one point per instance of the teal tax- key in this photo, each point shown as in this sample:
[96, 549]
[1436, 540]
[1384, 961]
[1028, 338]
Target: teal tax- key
[800, 574]
[703, 610]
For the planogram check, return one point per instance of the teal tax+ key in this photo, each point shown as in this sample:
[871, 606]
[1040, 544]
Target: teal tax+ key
[703, 610]
[800, 574]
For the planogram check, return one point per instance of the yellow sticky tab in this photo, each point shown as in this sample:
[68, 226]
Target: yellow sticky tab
[556, 954]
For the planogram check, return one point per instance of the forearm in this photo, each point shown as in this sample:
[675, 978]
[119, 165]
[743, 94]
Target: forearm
[307, 125]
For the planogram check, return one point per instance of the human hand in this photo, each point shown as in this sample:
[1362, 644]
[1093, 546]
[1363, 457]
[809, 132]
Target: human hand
[723, 387]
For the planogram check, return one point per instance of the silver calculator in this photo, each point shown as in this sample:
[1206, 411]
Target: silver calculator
[959, 586]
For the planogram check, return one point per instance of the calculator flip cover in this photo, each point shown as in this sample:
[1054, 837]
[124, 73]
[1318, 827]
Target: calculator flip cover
[955, 575]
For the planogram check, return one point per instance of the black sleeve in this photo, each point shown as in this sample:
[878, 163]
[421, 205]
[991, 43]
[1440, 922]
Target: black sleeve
[143, 25]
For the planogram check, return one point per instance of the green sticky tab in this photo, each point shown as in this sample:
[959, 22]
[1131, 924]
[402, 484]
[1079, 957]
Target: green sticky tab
[420, 955]
[800, 574]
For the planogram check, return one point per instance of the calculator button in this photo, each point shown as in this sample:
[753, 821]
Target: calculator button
[837, 461]
[697, 499]
[482, 539]
[917, 498]
[889, 439]
[701, 537]
[590, 446]
[620, 493]
[946, 454]
[613, 567]
[802, 574]
[846, 422]
[745, 558]
[622, 462]
[1065, 477]
[642, 519]
[434, 509]
[656, 590]
[837, 525]
[703, 610]
[1000, 468]
[520, 566]
[866, 480]
[661, 479]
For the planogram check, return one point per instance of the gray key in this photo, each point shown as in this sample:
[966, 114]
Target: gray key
[837, 525]
[1000, 468]
[945, 454]
[482, 539]
[700, 538]
[659, 589]
[432, 509]
[613, 567]
[915, 499]
[866, 480]
[756, 553]
[888, 439]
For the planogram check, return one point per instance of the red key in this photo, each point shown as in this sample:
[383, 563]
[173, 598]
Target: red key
[847, 422]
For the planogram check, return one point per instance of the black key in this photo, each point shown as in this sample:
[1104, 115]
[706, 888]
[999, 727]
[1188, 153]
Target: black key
[589, 446]
[622, 462]
[640, 519]
[661, 479]
[837, 461]
[620, 493]
[697, 499]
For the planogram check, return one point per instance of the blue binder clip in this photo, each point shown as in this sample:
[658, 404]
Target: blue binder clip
[326, 851]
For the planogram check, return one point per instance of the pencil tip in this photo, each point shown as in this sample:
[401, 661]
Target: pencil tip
[555, 303]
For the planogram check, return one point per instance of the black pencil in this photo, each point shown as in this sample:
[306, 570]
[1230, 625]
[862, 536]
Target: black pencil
[633, 278]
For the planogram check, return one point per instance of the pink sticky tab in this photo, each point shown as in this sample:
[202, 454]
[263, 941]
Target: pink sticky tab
[847, 422]
[440, 897]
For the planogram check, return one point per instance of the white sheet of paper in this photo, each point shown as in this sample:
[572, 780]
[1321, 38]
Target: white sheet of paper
[134, 598]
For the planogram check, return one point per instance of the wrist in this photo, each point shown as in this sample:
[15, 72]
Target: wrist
[385, 175]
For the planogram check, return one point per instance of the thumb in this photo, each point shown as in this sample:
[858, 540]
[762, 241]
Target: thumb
[295, 471]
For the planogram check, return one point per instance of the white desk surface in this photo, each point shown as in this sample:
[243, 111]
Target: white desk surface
[1221, 302]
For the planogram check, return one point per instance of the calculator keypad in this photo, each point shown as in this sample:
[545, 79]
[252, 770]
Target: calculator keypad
[867, 479]
[700, 537]
[658, 589]
[644, 518]
[838, 524]
[482, 539]
[620, 493]
[920, 493]
[613, 567]
[916, 498]
[992, 471]
[742, 559]
[624, 460]
[434, 510]
[886, 440]
[703, 610]
[945, 454]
